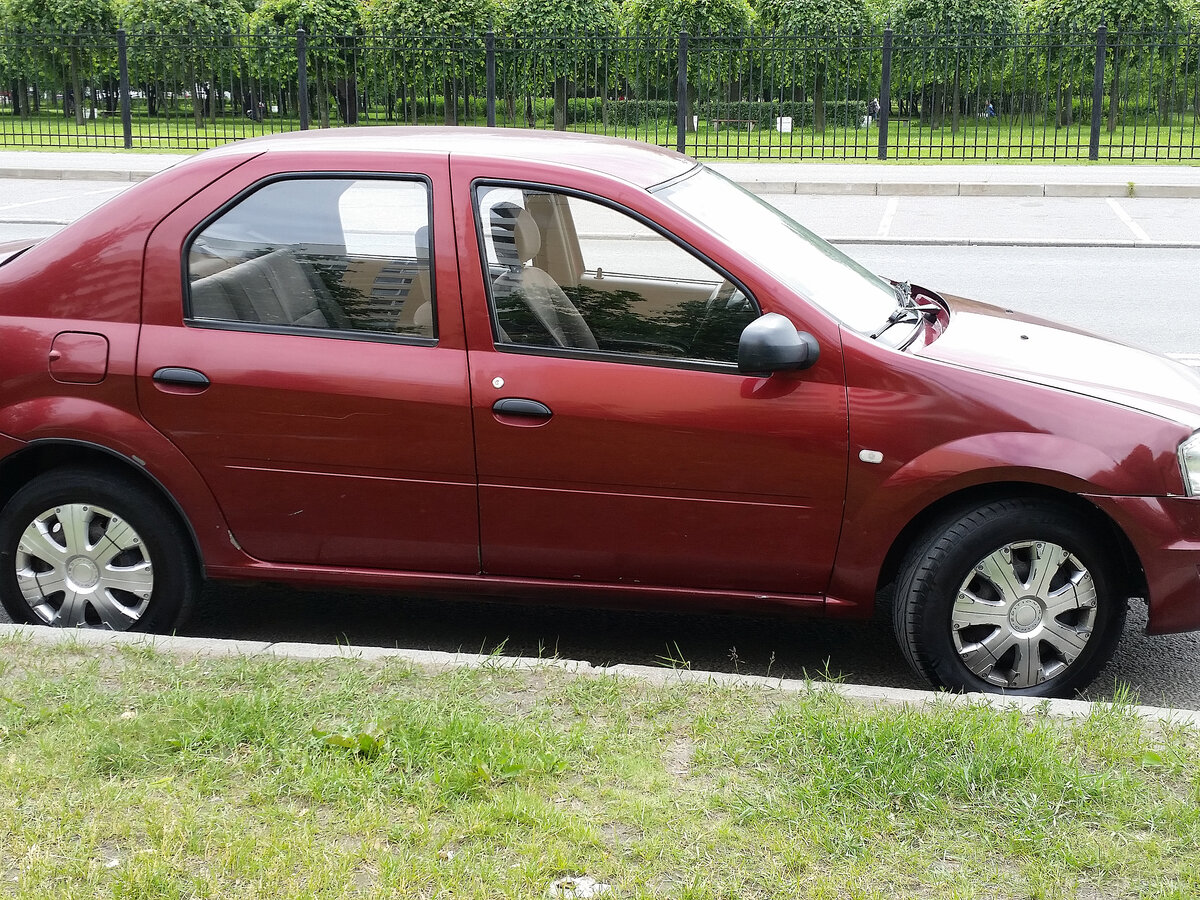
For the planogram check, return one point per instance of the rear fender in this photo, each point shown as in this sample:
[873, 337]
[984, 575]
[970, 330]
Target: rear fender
[82, 424]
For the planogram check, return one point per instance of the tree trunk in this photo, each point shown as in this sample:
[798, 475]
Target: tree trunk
[1114, 95]
[819, 104]
[1066, 104]
[347, 93]
[692, 95]
[560, 103]
[956, 99]
[77, 85]
[197, 104]
[323, 102]
[449, 101]
[1164, 104]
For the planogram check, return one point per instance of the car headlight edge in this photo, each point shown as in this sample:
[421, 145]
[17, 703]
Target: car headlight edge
[1189, 464]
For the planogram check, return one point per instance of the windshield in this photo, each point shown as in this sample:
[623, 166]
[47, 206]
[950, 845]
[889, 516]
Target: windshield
[793, 254]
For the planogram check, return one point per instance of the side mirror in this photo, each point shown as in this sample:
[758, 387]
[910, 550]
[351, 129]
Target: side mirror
[771, 343]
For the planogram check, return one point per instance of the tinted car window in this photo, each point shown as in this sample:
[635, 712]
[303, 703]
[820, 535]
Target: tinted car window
[570, 273]
[338, 254]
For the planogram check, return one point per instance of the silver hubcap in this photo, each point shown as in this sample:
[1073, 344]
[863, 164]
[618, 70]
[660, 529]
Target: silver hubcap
[1024, 614]
[82, 566]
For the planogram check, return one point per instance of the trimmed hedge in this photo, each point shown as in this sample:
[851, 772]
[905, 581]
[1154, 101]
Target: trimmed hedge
[763, 113]
[620, 112]
[760, 113]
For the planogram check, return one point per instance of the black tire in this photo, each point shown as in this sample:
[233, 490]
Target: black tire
[103, 551]
[964, 624]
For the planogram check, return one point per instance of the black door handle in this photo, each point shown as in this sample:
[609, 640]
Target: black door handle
[518, 406]
[182, 377]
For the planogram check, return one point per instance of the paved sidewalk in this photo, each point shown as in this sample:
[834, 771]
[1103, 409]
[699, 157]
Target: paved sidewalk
[857, 179]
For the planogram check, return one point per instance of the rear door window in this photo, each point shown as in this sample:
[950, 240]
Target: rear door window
[339, 255]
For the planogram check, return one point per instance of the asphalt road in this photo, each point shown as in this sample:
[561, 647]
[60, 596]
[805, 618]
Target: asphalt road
[1142, 293]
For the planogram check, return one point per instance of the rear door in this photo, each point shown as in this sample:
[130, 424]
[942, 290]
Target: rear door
[302, 344]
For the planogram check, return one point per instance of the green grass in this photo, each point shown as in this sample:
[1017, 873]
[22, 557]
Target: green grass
[997, 140]
[138, 775]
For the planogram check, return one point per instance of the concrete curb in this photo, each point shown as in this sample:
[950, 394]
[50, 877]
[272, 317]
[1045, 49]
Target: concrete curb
[441, 661]
[56, 174]
[809, 187]
[1086, 243]
[1125, 190]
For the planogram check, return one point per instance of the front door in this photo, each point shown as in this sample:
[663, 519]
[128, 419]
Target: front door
[617, 443]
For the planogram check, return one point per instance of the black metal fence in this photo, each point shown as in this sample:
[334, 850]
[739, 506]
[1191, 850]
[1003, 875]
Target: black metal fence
[883, 94]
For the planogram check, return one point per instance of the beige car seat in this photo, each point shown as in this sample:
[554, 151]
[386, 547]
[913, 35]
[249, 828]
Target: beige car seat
[517, 239]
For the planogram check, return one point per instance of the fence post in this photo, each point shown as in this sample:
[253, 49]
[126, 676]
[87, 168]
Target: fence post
[885, 93]
[490, 46]
[1098, 91]
[681, 105]
[123, 89]
[302, 76]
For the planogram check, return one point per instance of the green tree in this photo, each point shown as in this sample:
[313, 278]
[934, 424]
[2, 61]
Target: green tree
[80, 24]
[574, 33]
[718, 29]
[969, 33]
[841, 25]
[158, 28]
[459, 23]
[1125, 19]
[333, 28]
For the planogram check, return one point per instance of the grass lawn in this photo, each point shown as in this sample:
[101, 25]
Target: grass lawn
[134, 774]
[996, 140]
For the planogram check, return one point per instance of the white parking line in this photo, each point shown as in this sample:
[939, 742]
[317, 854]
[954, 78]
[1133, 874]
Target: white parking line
[889, 213]
[1124, 217]
[107, 190]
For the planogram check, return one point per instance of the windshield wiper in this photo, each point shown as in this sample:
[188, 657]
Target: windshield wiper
[908, 310]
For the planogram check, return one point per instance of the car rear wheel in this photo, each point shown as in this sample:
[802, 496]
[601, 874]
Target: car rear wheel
[1017, 596]
[83, 548]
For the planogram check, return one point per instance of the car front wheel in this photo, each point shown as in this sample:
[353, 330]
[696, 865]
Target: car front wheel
[1016, 596]
[83, 548]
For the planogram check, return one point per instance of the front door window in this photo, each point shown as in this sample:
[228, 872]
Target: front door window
[574, 274]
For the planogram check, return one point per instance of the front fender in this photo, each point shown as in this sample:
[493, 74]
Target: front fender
[882, 500]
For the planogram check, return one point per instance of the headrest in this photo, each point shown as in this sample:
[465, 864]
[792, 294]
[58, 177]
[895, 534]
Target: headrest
[515, 234]
[421, 242]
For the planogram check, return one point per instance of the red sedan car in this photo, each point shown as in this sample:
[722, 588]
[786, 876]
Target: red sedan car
[570, 368]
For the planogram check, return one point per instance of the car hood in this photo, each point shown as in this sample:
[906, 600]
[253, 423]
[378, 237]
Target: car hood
[991, 339]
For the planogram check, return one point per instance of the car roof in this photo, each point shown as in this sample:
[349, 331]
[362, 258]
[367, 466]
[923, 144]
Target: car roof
[637, 163]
